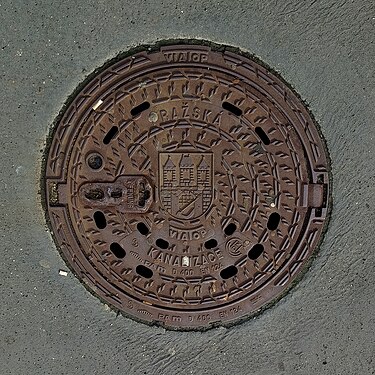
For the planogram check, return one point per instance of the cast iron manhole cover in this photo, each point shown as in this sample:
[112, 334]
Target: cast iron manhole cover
[187, 186]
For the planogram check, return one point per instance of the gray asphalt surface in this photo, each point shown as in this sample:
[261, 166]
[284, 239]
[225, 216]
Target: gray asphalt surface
[49, 324]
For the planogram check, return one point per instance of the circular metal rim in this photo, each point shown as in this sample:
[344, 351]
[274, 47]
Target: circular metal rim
[215, 48]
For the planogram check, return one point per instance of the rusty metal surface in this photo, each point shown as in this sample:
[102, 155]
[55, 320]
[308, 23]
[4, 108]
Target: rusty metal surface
[187, 187]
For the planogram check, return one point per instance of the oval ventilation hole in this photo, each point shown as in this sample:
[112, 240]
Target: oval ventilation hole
[140, 108]
[110, 135]
[273, 221]
[210, 244]
[232, 108]
[163, 244]
[230, 229]
[100, 220]
[143, 228]
[262, 135]
[228, 272]
[255, 251]
[117, 250]
[144, 271]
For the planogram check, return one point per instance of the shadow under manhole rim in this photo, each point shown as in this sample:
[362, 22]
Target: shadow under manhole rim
[188, 186]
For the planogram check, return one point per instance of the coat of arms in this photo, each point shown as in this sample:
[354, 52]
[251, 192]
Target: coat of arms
[185, 183]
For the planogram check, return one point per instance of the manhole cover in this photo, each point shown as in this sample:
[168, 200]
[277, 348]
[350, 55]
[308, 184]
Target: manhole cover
[187, 186]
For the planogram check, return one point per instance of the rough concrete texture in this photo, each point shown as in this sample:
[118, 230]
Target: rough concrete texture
[50, 324]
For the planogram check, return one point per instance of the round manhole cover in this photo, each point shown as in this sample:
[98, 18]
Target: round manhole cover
[187, 186]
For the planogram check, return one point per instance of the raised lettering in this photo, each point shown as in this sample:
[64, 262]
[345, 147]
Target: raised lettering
[185, 56]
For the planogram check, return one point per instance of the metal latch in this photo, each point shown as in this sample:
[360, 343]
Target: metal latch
[130, 194]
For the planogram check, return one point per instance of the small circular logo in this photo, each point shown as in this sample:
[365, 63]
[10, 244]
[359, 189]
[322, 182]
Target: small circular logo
[234, 247]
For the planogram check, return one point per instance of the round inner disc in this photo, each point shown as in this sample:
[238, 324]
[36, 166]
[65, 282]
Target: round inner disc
[187, 187]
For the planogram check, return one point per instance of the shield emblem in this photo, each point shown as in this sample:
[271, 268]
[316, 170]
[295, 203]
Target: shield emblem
[186, 183]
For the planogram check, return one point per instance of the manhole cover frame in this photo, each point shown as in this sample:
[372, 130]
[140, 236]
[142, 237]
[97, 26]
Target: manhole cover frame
[189, 319]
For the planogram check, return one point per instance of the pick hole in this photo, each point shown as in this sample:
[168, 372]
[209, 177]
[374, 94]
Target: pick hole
[94, 194]
[117, 193]
[143, 197]
[95, 161]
